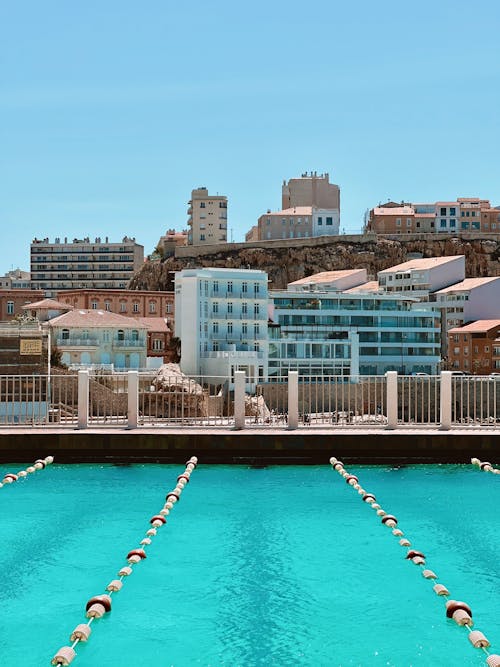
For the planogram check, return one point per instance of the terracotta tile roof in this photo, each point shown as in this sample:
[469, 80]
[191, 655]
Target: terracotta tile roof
[155, 324]
[95, 318]
[48, 304]
[478, 326]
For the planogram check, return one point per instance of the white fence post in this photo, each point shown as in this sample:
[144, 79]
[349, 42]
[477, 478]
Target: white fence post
[83, 399]
[239, 399]
[293, 399]
[392, 399]
[445, 401]
[133, 399]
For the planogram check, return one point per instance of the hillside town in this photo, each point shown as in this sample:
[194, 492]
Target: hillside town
[419, 316]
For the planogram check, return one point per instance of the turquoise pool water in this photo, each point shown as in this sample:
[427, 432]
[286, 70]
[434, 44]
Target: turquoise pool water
[274, 566]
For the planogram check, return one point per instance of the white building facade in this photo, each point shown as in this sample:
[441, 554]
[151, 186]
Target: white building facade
[221, 319]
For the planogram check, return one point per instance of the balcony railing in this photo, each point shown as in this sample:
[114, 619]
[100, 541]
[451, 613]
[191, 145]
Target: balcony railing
[77, 342]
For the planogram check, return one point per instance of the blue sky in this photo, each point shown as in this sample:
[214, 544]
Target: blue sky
[111, 112]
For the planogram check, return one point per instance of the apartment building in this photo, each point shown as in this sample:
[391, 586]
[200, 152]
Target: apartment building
[421, 276]
[81, 264]
[221, 319]
[349, 330]
[475, 347]
[463, 215]
[170, 241]
[207, 219]
[310, 207]
[132, 303]
[16, 279]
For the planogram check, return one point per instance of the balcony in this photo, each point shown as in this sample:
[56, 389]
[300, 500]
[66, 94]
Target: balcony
[129, 343]
[77, 342]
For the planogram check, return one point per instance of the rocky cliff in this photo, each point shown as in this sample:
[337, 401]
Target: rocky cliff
[287, 263]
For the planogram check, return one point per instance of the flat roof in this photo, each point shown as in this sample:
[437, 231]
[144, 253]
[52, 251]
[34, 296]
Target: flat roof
[476, 327]
[467, 284]
[296, 210]
[327, 276]
[395, 210]
[421, 263]
[370, 286]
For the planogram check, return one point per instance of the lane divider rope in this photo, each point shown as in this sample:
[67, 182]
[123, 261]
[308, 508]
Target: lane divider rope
[40, 464]
[99, 605]
[457, 610]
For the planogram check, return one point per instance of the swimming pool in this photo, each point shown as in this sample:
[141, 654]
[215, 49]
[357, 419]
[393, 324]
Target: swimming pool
[272, 566]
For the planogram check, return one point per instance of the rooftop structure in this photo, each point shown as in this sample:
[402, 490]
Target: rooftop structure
[331, 280]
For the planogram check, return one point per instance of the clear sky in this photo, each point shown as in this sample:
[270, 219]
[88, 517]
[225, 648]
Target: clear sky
[112, 111]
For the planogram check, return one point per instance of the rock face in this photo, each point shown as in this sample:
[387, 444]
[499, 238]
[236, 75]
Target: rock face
[288, 263]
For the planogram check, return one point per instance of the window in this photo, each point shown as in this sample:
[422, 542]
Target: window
[135, 307]
[291, 221]
[65, 334]
[123, 307]
[121, 334]
[329, 221]
[256, 309]
[152, 307]
[256, 288]
[202, 237]
[157, 344]
[215, 327]
[230, 287]
[466, 350]
[229, 327]
[244, 328]
[453, 223]
[408, 222]
[486, 348]
[230, 307]
[473, 214]
[268, 221]
[398, 222]
[476, 349]
[443, 211]
[244, 287]
[168, 308]
[442, 223]
[94, 305]
[216, 285]
[202, 204]
[453, 210]
[10, 308]
[215, 308]
[256, 329]
[107, 306]
[320, 220]
[283, 221]
[244, 307]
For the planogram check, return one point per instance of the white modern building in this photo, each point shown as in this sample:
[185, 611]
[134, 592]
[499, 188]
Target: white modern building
[221, 318]
[418, 277]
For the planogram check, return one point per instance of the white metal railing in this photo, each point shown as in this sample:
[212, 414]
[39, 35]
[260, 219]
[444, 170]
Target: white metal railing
[150, 398]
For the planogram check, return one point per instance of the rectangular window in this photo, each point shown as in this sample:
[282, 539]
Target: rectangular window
[135, 308]
[229, 327]
[244, 288]
[256, 309]
[215, 327]
[442, 223]
[215, 308]
[256, 288]
[229, 307]
[152, 307]
[230, 286]
[94, 305]
[329, 221]
[216, 286]
[398, 222]
[443, 211]
[256, 329]
[107, 306]
[244, 328]
[10, 308]
[244, 308]
[320, 220]
[453, 223]
[408, 222]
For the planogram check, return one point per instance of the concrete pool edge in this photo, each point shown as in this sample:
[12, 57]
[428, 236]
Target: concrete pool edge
[249, 446]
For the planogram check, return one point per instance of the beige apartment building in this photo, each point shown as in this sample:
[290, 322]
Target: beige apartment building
[310, 207]
[310, 190]
[170, 241]
[207, 218]
[466, 214]
[83, 264]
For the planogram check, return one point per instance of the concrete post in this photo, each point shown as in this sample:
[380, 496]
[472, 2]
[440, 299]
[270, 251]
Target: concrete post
[293, 399]
[445, 401]
[392, 399]
[354, 372]
[239, 399]
[83, 399]
[133, 399]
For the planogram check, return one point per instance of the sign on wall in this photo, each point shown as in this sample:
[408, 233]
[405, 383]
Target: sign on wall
[30, 346]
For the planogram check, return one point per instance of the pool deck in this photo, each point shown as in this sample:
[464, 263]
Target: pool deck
[252, 446]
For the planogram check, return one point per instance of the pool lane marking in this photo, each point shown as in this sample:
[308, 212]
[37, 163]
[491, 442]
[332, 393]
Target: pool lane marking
[99, 605]
[459, 611]
[40, 464]
[485, 466]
